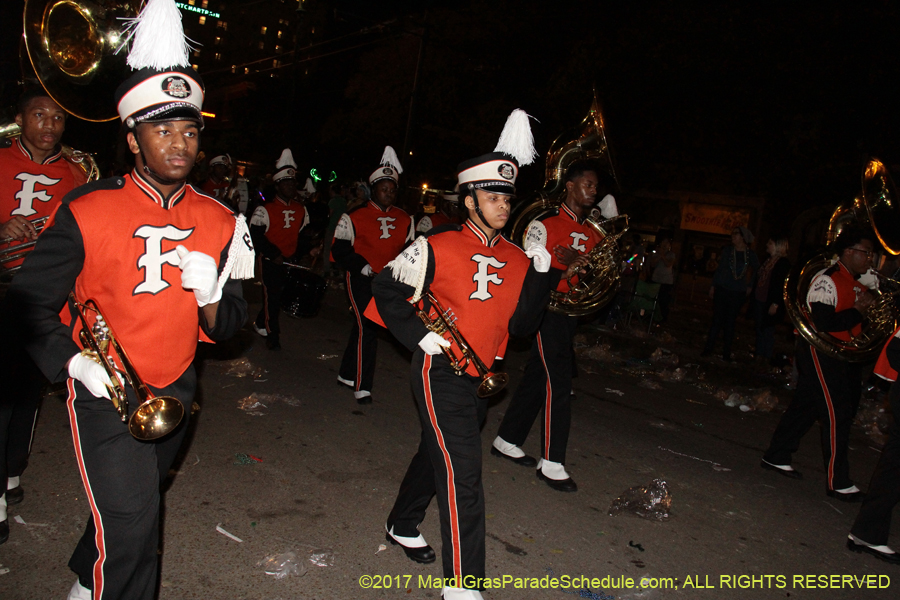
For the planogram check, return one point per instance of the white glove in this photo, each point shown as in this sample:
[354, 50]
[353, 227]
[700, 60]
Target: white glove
[91, 374]
[200, 273]
[367, 271]
[432, 343]
[540, 256]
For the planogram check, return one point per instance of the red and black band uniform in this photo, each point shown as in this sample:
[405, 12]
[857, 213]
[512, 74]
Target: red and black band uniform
[547, 383]
[367, 235]
[493, 291]
[429, 222]
[218, 190]
[828, 389]
[873, 523]
[31, 190]
[275, 228]
[115, 241]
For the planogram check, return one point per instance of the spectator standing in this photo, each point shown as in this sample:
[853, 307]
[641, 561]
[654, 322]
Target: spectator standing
[768, 297]
[730, 288]
[662, 264]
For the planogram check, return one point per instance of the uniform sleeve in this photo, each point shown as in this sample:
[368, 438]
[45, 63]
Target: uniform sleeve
[533, 300]
[826, 319]
[392, 292]
[893, 353]
[259, 225]
[40, 291]
[232, 311]
[342, 251]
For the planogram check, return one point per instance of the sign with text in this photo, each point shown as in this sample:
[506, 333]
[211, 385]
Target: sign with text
[713, 219]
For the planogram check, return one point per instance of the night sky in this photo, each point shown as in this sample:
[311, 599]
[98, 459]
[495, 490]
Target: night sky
[784, 103]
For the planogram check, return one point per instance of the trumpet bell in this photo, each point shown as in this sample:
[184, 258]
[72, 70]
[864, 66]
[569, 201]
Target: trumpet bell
[156, 418]
[492, 384]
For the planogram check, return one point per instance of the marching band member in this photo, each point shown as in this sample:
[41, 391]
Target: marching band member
[547, 383]
[445, 214]
[872, 527]
[275, 227]
[828, 389]
[161, 260]
[217, 184]
[365, 239]
[34, 177]
[493, 290]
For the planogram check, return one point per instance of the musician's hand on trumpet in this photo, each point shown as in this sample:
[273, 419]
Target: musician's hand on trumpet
[576, 267]
[433, 344]
[18, 229]
[91, 374]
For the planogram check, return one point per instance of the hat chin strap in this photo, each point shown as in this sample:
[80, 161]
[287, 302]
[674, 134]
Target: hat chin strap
[471, 188]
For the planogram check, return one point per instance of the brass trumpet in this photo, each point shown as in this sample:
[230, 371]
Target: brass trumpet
[156, 416]
[12, 253]
[445, 321]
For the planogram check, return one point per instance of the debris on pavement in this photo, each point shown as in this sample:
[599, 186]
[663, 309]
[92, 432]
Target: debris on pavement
[616, 392]
[633, 545]
[651, 501]
[242, 367]
[326, 356]
[227, 534]
[381, 548]
[255, 403]
[716, 466]
[661, 356]
[322, 557]
[286, 564]
[246, 459]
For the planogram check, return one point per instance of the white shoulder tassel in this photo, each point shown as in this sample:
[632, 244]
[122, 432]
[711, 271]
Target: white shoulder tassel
[412, 266]
[241, 256]
[157, 37]
[516, 139]
[389, 159]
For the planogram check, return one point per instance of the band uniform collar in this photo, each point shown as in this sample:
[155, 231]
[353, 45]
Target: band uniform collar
[154, 194]
[563, 209]
[53, 157]
[490, 243]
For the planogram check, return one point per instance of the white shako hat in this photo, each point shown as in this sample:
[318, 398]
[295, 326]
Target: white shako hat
[222, 159]
[497, 171]
[390, 168]
[285, 167]
[163, 86]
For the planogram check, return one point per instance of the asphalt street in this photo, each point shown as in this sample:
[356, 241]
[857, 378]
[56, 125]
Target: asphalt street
[312, 472]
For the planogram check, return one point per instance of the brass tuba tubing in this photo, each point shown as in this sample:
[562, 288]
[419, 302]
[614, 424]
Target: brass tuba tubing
[155, 416]
[491, 383]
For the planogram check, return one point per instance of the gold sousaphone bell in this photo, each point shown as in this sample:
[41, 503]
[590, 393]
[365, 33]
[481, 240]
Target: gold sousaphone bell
[155, 416]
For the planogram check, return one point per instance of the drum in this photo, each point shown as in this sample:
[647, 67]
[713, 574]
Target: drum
[303, 292]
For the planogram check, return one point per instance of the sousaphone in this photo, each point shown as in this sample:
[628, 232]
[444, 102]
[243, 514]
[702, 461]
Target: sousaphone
[875, 207]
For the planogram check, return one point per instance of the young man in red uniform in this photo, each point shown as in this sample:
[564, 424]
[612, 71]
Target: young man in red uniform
[160, 260]
[34, 177]
[828, 389]
[493, 290]
[365, 239]
[275, 227]
[217, 184]
[547, 383]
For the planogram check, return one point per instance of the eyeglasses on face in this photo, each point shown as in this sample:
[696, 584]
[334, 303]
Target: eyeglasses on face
[868, 253]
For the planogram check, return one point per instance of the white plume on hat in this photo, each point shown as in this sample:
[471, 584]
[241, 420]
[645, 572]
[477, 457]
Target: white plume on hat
[516, 139]
[309, 188]
[157, 37]
[285, 160]
[389, 159]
